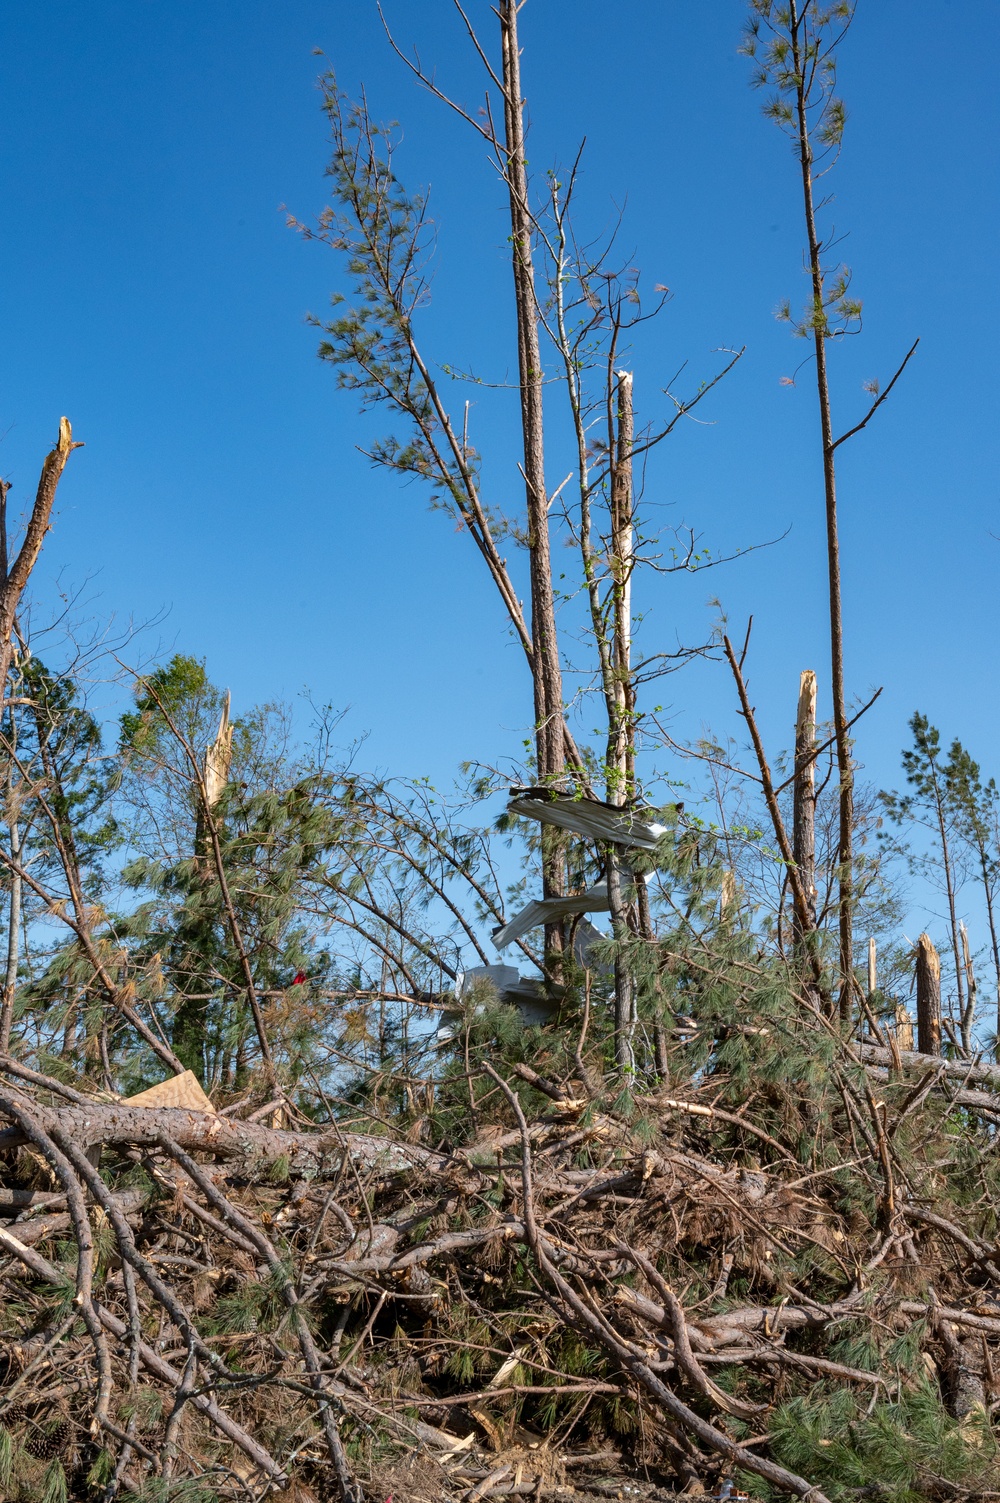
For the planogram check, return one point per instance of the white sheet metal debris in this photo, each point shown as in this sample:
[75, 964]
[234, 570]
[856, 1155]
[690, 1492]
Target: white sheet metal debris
[585, 937]
[500, 977]
[526, 993]
[588, 817]
[548, 910]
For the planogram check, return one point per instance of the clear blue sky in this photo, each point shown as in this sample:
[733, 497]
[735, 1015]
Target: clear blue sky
[151, 291]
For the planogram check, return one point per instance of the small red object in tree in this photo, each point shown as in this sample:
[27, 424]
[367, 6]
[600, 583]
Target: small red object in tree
[300, 977]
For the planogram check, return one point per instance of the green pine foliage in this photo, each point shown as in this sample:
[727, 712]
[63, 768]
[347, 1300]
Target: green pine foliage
[902, 1450]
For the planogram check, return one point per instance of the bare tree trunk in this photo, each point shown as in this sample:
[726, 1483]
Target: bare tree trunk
[872, 980]
[621, 731]
[14, 910]
[16, 577]
[774, 810]
[621, 737]
[928, 997]
[949, 884]
[991, 921]
[13, 924]
[190, 1025]
[13, 578]
[546, 667]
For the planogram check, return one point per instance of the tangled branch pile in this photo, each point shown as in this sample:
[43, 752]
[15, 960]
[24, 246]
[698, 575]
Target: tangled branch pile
[783, 1264]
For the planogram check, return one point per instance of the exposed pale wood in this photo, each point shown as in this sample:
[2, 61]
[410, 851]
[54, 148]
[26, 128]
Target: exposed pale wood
[904, 1029]
[218, 758]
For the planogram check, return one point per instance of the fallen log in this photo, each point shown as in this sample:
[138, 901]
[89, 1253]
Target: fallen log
[968, 1071]
[55, 1223]
[253, 1147]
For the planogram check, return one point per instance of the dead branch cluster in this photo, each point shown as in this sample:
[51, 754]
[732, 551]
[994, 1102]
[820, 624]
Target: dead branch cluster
[574, 1290]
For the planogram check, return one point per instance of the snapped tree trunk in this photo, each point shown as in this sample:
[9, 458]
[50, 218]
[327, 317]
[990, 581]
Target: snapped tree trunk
[984, 866]
[904, 1029]
[16, 576]
[190, 1026]
[804, 796]
[621, 731]
[13, 578]
[13, 926]
[969, 1010]
[948, 865]
[804, 822]
[928, 997]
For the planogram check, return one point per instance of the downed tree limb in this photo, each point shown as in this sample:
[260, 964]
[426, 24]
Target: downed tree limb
[708, 1334]
[54, 1223]
[969, 1071]
[152, 1361]
[684, 1357]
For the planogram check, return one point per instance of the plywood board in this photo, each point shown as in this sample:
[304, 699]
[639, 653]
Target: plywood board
[180, 1090]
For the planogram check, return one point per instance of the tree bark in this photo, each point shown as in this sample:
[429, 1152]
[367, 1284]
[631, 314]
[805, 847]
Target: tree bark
[984, 868]
[804, 795]
[13, 578]
[190, 1025]
[621, 737]
[246, 1143]
[13, 922]
[949, 884]
[804, 823]
[969, 1010]
[928, 997]
[16, 577]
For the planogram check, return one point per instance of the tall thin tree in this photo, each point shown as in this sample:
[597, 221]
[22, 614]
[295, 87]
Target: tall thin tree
[795, 48]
